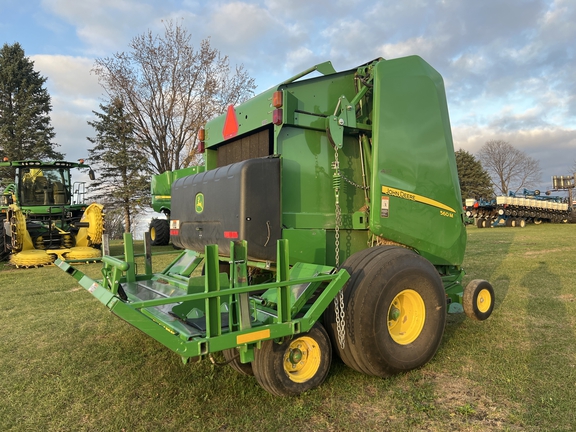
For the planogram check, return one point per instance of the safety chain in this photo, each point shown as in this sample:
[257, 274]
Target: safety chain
[356, 185]
[339, 299]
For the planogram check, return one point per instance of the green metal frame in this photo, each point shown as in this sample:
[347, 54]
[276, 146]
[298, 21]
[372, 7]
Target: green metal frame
[279, 309]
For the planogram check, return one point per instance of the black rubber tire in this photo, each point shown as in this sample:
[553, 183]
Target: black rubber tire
[470, 301]
[233, 359]
[480, 223]
[378, 275]
[159, 232]
[354, 265]
[269, 370]
[509, 222]
[4, 252]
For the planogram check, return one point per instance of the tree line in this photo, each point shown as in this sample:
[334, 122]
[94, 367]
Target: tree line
[498, 168]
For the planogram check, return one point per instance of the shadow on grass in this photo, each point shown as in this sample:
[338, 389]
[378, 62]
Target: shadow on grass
[487, 249]
[551, 350]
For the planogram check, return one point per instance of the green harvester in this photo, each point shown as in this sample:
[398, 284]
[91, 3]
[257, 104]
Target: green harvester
[327, 219]
[44, 215]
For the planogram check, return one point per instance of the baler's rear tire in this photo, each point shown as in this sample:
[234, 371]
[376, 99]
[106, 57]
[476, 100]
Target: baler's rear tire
[395, 311]
[159, 232]
[231, 356]
[478, 300]
[294, 366]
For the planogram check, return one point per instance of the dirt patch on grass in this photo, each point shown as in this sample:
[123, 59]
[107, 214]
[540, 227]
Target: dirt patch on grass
[541, 252]
[428, 401]
[567, 297]
[468, 405]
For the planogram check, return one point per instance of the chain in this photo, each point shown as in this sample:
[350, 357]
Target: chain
[356, 185]
[339, 299]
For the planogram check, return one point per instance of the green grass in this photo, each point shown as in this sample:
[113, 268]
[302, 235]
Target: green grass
[68, 364]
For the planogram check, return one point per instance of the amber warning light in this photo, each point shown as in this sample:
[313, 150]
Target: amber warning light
[201, 138]
[277, 99]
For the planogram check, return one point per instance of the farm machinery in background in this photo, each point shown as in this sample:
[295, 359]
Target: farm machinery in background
[44, 215]
[160, 190]
[518, 209]
[327, 218]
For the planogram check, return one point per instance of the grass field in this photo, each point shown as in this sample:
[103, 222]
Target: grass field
[67, 364]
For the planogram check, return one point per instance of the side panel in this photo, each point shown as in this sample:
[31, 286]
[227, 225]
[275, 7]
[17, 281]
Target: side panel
[415, 193]
[236, 202]
[308, 198]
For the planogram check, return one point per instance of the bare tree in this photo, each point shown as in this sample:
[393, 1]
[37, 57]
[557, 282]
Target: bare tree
[170, 90]
[509, 168]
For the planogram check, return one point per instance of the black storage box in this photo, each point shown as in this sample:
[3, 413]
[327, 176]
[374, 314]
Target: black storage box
[235, 202]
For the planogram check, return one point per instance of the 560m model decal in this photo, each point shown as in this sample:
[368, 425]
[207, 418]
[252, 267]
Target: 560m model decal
[444, 209]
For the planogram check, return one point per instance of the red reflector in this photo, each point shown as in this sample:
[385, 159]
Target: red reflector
[230, 234]
[277, 116]
[174, 232]
[201, 147]
[230, 124]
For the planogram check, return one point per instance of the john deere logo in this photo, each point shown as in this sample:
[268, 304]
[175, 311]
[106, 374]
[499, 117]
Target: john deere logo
[199, 203]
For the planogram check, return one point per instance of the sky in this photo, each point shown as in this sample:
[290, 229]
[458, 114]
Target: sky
[509, 66]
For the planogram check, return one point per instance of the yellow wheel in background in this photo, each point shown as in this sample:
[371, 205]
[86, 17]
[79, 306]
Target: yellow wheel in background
[31, 258]
[92, 235]
[406, 317]
[83, 253]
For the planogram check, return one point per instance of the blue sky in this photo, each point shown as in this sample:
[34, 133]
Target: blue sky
[509, 65]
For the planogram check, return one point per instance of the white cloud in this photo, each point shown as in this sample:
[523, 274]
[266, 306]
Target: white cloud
[75, 93]
[68, 76]
[241, 24]
[104, 25]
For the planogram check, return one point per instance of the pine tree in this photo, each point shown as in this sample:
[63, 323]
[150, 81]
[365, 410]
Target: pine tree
[123, 181]
[474, 180]
[25, 129]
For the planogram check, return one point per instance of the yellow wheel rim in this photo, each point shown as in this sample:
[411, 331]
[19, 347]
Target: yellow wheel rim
[152, 233]
[406, 317]
[302, 359]
[484, 301]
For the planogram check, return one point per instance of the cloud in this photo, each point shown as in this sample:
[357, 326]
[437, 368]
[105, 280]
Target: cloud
[104, 25]
[68, 76]
[75, 93]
